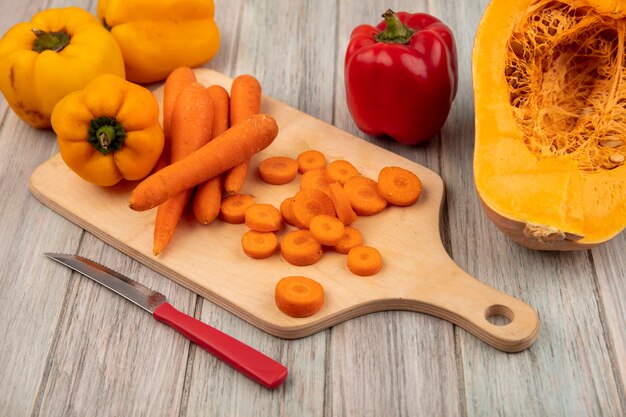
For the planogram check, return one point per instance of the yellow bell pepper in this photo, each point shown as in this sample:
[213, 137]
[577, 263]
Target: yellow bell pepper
[58, 52]
[157, 36]
[109, 130]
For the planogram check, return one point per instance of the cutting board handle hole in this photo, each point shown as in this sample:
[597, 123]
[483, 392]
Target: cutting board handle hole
[499, 315]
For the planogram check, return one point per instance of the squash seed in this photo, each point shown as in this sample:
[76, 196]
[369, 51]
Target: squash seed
[617, 158]
[611, 143]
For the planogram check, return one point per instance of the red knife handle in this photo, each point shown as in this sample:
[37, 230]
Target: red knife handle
[245, 359]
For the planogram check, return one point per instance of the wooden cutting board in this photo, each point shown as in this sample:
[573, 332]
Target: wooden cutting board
[418, 274]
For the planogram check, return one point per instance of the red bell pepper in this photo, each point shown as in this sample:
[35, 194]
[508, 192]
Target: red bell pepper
[401, 76]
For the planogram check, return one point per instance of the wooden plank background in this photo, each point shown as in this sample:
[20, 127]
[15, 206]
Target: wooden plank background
[71, 348]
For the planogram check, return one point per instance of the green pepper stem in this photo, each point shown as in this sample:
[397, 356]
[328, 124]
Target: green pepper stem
[396, 31]
[53, 41]
[106, 134]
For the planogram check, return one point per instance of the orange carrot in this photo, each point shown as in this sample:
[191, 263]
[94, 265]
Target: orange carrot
[285, 211]
[300, 248]
[327, 230]
[315, 179]
[344, 210]
[311, 159]
[363, 195]
[299, 296]
[233, 209]
[308, 204]
[351, 238]
[174, 84]
[399, 186]
[245, 101]
[227, 150]
[259, 245]
[263, 218]
[208, 197]
[278, 170]
[340, 171]
[364, 260]
[192, 118]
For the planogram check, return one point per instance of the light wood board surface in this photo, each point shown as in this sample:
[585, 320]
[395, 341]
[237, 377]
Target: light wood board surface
[417, 273]
[71, 348]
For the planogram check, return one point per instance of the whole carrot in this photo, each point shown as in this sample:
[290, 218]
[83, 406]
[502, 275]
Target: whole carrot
[191, 122]
[208, 197]
[174, 84]
[239, 143]
[245, 101]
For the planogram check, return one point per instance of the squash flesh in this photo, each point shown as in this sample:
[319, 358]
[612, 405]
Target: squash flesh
[550, 101]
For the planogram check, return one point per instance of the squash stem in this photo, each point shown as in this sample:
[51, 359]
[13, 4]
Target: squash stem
[396, 31]
[50, 41]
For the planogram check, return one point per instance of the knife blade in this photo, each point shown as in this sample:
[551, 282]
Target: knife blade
[243, 358]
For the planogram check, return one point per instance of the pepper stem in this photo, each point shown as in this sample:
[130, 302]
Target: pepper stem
[53, 41]
[106, 134]
[396, 31]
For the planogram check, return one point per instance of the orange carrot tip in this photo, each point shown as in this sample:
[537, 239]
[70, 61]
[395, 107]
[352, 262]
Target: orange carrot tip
[300, 248]
[310, 159]
[259, 245]
[351, 238]
[340, 171]
[233, 208]
[364, 260]
[308, 204]
[299, 296]
[278, 170]
[399, 186]
[327, 230]
[263, 218]
[363, 195]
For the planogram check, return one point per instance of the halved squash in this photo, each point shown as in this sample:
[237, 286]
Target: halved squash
[550, 107]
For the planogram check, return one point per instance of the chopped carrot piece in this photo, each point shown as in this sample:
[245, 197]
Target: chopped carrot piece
[351, 238]
[259, 245]
[340, 171]
[278, 170]
[364, 260]
[233, 209]
[310, 159]
[399, 186]
[308, 204]
[314, 179]
[300, 248]
[285, 210]
[344, 210]
[299, 296]
[263, 218]
[327, 230]
[363, 195]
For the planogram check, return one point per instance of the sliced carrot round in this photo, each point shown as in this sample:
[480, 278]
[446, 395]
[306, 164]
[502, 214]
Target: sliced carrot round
[399, 186]
[285, 211]
[278, 170]
[233, 208]
[343, 208]
[263, 218]
[314, 179]
[364, 260]
[327, 230]
[340, 171]
[300, 248]
[363, 195]
[299, 296]
[351, 238]
[308, 204]
[310, 159]
[259, 245]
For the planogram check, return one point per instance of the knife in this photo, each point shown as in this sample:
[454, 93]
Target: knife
[240, 356]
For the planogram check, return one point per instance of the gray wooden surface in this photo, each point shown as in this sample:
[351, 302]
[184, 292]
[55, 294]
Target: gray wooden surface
[71, 348]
